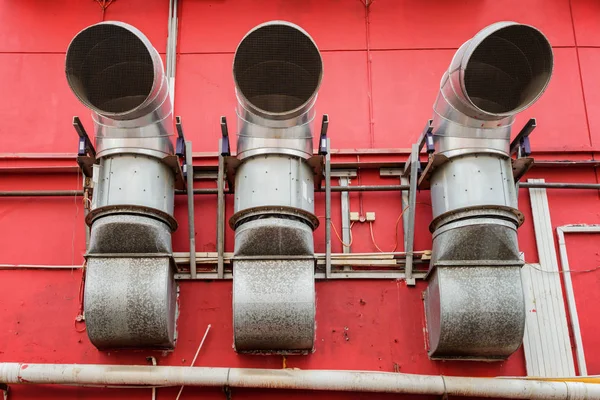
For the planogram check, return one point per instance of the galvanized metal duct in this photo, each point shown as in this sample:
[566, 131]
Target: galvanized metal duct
[130, 294]
[277, 70]
[474, 302]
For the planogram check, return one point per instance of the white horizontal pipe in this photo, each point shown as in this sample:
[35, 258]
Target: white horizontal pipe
[354, 381]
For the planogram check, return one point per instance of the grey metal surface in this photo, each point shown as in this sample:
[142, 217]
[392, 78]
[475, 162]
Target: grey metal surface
[221, 198]
[136, 117]
[190, 206]
[476, 241]
[274, 306]
[130, 296]
[471, 181]
[474, 312]
[500, 72]
[277, 70]
[412, 201]
[273, 236]
[345, 211]
[129, 234]
[274, 180]
[133, 179]
[475, 304]
[328, 211]
[130, 302]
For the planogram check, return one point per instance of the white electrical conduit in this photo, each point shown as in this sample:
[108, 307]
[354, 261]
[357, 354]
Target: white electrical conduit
[353, 381]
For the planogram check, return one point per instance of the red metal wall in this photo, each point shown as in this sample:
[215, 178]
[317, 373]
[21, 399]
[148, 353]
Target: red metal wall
[383, 65]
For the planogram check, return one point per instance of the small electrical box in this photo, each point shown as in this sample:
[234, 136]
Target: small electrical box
[370, 216]
[354, 217]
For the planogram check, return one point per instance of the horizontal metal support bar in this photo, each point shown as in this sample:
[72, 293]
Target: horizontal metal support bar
[549, 185]
[369, 275]
[374, 188]
[41, 193]
[363, 188]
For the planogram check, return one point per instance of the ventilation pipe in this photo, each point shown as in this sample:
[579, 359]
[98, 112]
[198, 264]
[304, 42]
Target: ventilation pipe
[277, 71]
[130, 293]
[474, 301]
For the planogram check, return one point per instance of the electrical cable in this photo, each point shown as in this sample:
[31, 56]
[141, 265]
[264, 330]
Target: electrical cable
[569, 271]
[338, 235]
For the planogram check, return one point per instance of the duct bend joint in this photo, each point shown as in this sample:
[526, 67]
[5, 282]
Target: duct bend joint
[474, 301]
[277, 71]
[130, 290]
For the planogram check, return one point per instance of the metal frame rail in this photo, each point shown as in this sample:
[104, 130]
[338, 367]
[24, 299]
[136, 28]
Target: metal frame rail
[346, 265]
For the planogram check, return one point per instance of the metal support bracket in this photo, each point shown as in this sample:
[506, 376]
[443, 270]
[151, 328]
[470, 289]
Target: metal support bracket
[221, 202]
[323, 149]
[4, 389]
[412, 203]
[521, 145]
[189, 168]
[86, 153]
[225, 148]
[180, 144]
[174, 161]
[345, 211]
[328, 211]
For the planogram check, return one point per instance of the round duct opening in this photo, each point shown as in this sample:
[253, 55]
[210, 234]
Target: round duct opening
[277, 69]
[508, 70]
[110, 68]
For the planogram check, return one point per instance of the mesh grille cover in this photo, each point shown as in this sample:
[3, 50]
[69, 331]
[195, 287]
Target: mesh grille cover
[508, 69]
[277, 68]
[110, 68]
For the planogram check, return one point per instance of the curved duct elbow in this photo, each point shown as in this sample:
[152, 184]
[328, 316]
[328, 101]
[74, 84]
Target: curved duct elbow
[500, 72]
[113, 70]
[277, 70]
[474, 301]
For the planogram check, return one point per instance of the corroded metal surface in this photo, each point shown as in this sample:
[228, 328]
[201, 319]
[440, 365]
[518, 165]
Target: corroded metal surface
[130, 302]
[129, 234]
[273, 236]
[274, 306]
[475, 312]
[476, 241]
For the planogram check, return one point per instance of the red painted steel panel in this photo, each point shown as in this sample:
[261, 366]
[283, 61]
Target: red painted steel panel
[406, 82]
[584, 255]
[149, 16]
[590, 60]
[218, 26]
[560, 110]
[360, 324]
[405, 86]
[37, 106]
[37, 236]
[585, 19]
[205, 91]
[405, 24]
[44, 26]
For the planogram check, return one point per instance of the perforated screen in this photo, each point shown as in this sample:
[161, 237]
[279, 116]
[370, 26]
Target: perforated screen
[110, 68]
[277, 68]
[508, 69]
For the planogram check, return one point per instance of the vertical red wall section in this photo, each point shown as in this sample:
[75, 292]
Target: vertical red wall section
[383, 64]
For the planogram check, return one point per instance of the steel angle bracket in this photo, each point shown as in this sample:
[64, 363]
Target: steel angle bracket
[86, 153]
